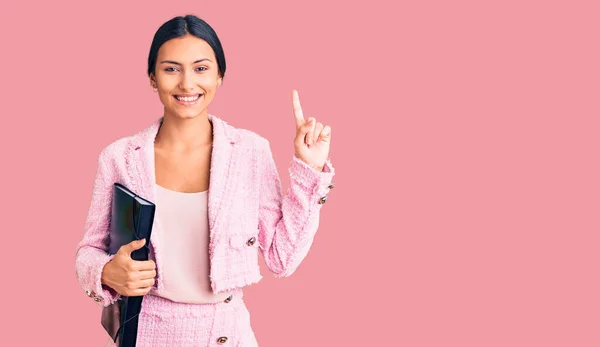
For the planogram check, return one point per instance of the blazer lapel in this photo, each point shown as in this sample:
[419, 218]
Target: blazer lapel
[139, 161]
[221, 168]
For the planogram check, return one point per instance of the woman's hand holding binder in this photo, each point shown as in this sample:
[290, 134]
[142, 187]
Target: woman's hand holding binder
[126, 276]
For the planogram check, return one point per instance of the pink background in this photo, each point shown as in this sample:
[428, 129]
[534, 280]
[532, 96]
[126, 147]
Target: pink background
[465, 136]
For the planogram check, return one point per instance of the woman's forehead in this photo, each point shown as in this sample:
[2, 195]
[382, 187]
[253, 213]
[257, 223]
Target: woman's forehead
[187, 50]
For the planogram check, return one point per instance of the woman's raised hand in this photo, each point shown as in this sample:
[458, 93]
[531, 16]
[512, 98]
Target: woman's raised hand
[312, 141]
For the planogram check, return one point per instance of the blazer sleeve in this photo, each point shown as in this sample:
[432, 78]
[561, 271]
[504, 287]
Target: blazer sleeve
[288, 222]
[91, 252]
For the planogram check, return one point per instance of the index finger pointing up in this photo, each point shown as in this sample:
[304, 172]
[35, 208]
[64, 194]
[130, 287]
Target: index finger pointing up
[297, 110]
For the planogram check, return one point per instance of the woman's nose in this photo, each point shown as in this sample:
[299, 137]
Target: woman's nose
[187, 81]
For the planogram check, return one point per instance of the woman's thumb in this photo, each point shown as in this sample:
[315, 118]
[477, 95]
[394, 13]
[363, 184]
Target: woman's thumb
[140, 243]
[305, 129]
[134, 245]
[308, 126]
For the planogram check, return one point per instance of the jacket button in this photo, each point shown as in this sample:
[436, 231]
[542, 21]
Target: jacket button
[323, 200]
[221, 340]
[331, 186]
[90, 293]
[251, 241]
[229, 298]
[97, 299]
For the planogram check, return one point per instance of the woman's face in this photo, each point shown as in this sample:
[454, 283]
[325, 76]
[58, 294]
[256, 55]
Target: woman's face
[187, 76]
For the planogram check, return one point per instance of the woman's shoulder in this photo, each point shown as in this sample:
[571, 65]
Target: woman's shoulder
[117, 147]
[115, 150]
[251, 138]
[243, 137]
[248, 138]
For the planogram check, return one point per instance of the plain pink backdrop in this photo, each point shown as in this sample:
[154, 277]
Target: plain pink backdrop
[465, 138]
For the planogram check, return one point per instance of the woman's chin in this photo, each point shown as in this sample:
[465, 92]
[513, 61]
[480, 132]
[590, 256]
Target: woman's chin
[187, 114]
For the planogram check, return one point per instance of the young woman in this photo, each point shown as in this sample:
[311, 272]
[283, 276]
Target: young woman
[218, 201]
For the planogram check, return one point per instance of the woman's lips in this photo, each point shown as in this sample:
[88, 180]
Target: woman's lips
[188, 100]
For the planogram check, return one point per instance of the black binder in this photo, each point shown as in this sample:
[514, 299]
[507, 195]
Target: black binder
[132, 219]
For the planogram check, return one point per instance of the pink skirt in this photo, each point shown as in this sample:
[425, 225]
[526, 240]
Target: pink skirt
[167, 323]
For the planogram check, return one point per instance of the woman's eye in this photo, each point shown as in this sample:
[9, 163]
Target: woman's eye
[171, 69]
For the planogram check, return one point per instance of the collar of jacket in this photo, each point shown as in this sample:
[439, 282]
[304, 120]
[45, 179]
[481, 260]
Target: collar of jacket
[139, 159]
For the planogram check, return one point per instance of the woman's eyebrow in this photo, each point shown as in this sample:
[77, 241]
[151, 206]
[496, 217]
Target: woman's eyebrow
[176, 63]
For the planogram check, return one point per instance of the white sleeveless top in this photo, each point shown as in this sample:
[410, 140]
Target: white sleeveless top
[184, 240]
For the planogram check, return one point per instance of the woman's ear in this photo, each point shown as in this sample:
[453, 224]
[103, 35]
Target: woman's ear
[153, 83]
[219, 81]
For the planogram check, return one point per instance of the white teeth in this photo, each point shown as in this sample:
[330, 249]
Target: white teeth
[188, 98]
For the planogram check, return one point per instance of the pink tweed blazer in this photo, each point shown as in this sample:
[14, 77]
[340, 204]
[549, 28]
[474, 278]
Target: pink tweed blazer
[247, 210]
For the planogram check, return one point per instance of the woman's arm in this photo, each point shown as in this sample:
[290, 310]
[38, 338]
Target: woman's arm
[288, 222]
[91, 251]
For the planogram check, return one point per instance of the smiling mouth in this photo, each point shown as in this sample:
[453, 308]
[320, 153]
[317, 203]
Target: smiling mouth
[190, 98]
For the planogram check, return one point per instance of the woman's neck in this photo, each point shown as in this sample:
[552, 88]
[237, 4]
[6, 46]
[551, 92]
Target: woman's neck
[177, 134]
